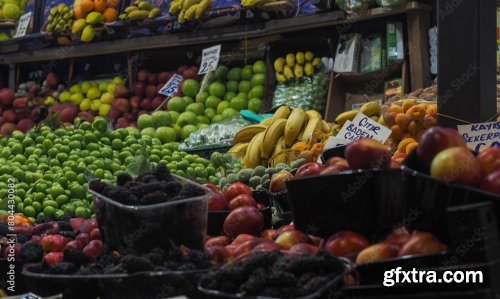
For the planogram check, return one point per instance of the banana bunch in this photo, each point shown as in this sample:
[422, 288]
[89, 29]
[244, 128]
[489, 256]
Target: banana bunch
[371, 109]
[253, 3]
[296, 66]
[141, 10]
[271, 141]
[188, 10]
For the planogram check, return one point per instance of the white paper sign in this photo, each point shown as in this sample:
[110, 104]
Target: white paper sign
[209, 59]
[22, 25]
[171, 86]
[364, 127]
[481, 135]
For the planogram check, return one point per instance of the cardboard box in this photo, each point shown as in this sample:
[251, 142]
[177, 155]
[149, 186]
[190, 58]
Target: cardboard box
[394, 40]
[347, 55]
[373, 55]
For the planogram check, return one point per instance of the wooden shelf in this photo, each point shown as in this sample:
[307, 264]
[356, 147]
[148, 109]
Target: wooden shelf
[202, 36]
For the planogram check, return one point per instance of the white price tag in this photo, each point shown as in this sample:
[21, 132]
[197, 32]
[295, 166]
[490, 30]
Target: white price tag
[209, 59]
[481, 135]
[171, 86]
[335, 142]
[23, 24]
[364, 127]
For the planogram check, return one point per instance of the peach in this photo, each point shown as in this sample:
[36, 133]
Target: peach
[458, 165]
[376, 252]
[289, 238]
[367, 153]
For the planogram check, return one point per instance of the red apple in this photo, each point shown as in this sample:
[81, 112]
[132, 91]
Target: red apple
[244, 220]
[304, 248]
[367, 153]
[489, 159]
[267, 246]
[75, 223]
[282, 229]
[241, 201]
[212, 187]
[52, 80]
[163, 77]
[83, 238]
[68, 114]
[219, 241]
[150, 91]
[122, 104]
[436, 139]
[217, 202]
[308, 169]
[398, 237]
[422, 243]
[278, 182]
[95, 234]
[143, 75]
[335, 169]
[135, 102]
[268, 234]
[146, 104]
[94, 249]
[122, 122]
[242, 238]
[248, 246]
[9, 116]
[458, 165]
[24, 125]
[20, 103]
[53, 258]
[491, 182]
[376, 252]
[218, 255]
[121, 92]
[7, 129]
[51, 243]
[156, 102]
[346, 243]
[6, 97]
[140, 89]
[337, 160]
[236, 189]
[289, 238]
[86, 116]
[74, 245]
[153, 79]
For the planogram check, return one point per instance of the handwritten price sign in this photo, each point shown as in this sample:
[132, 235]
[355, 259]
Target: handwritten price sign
[171, 86]
[22, 26]
[209, 59]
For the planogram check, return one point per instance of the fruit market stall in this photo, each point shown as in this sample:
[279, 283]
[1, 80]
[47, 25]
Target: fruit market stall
[237, 149]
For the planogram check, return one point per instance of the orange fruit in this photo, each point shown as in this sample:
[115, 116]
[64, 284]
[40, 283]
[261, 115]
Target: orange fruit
[112, 3]
[78, 12]
[100, 5]
[87, 6]
[110, 15]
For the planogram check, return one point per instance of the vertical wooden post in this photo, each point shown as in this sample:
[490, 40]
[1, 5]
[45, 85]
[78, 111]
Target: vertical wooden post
[419, 23]
[467, 61]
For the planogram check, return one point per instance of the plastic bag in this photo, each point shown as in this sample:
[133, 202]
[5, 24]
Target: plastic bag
[309, 93]
[216, 135]
[388, 3]
[353, 5]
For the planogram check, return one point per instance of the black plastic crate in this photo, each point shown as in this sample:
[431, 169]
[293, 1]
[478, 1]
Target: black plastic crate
[369, 202]
[143, 285]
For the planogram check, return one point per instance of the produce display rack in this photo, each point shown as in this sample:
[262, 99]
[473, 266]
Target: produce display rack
[418, 16]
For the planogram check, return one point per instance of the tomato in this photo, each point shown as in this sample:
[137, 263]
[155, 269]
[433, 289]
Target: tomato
[236, 189]
[308, 169]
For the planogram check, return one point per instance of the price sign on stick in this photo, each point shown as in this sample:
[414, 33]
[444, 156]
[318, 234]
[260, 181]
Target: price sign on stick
[364, 127]
[23, 24]
[171, 86]
[209, 59]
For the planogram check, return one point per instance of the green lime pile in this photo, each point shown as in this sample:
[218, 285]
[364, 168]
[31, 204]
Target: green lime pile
[52, 167]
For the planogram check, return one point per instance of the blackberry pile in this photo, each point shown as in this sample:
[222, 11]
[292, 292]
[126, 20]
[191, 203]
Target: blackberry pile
[148, 188]
[276, 275]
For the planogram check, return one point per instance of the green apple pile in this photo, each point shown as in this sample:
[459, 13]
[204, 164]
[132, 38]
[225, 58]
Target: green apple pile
[234, 90]
[52, 167]
[231, 91]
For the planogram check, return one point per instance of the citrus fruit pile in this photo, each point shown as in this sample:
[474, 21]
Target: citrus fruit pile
[51, 168]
